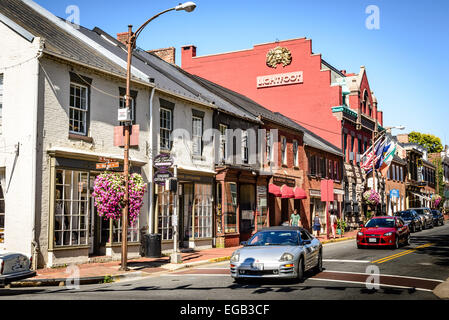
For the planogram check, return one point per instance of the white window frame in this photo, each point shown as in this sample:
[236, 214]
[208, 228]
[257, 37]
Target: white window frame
[166, 129]
[1, 102]
[284, 150]
[223, 134]
[295, 153]
[66, 224]
[245, 149]
[83, 112]
[197, 136]
[269, 146]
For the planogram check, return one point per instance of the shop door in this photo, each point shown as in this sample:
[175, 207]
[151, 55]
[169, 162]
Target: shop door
[284, 211]
[186, 206]
[247, 210]
[94, 223]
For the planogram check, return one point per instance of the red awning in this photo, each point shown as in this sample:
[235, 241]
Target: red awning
[300, 194]
[287, 192]
[275, 190]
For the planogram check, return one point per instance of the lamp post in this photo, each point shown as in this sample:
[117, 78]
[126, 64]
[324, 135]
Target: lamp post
[131, 44]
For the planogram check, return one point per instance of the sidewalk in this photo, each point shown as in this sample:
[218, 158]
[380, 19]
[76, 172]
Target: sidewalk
[92, 273]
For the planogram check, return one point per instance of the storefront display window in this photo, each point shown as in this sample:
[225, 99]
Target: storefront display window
[71, 208]
[165, 214]
[202, 213]
[230, 207]
[262, 207]
[2, 209]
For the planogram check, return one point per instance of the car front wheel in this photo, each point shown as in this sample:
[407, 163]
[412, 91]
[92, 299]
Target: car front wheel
[319, 265]
[396, 242]
[300, 270]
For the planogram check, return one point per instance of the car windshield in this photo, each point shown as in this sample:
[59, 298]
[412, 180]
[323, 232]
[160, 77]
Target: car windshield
[405, 214]
[380, 223]
[419, 211]
[274, 238]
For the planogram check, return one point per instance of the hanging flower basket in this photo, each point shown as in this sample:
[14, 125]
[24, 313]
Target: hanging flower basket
[436, 200]
[109, 194]
[371, 197]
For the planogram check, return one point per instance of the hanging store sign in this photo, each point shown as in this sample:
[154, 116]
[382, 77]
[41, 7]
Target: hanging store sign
[163, 161]
[280, 79]
[161, 177]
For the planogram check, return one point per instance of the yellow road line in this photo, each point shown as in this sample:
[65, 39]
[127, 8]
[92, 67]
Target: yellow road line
[401, 254]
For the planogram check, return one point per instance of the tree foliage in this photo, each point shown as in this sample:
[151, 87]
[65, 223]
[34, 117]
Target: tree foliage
[429, 141]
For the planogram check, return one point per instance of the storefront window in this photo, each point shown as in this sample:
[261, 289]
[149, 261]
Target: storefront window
[247, 207]
[219, 218]
[2, 211]
[71, 208]
[165, 214]
[202, 214]
[262, 207]
[230, 207]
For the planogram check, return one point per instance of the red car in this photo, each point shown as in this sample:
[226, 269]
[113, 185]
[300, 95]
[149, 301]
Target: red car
[383, 231]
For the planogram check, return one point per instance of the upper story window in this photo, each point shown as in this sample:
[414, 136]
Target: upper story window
[284, 150]
[79, 108]
[245, 148]
[166, 127]
[295, 153]
[1, 103]
[269, 146]
[223, 129]
[197, 136]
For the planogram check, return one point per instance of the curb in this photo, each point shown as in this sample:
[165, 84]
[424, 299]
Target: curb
[61, 282]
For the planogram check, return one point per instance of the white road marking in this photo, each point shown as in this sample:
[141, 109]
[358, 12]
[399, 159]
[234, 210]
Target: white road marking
[364, 283]
[346, 261]
[387, 275]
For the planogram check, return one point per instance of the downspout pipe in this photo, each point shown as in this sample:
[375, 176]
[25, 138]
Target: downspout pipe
[35, 242]
[150, 182]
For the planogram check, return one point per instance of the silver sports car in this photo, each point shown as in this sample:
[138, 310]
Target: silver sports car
[277, 252]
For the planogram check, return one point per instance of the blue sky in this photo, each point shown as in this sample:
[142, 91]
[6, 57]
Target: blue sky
[406, 59]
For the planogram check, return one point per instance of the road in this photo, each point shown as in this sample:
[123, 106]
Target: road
[409, 273]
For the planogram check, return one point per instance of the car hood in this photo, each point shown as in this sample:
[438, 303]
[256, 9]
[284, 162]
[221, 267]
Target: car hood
[266, 252]
[378, 231]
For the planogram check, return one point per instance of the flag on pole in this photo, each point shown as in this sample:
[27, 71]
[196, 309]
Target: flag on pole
[388, 159]
[373, 155]
[386, 147]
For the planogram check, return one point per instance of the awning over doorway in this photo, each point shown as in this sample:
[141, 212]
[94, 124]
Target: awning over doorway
[275, 190]
[287, 192]
[300, 194]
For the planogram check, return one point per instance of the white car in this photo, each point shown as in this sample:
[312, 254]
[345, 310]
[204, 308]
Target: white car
[14, 267]
[277, 252]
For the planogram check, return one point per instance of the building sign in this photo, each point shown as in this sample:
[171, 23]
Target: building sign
[280, 181]
[280, 79]
[161, 177]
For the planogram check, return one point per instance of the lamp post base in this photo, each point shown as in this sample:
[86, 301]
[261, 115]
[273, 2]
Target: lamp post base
[175, 258]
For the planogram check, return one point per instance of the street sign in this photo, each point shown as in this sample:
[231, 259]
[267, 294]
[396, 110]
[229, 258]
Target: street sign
[163, 161]
[108, 165]
[162, 176]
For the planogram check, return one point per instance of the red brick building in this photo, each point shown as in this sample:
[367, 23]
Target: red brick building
[287, 77]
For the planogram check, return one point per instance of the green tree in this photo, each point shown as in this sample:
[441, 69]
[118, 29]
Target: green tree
[429, 141]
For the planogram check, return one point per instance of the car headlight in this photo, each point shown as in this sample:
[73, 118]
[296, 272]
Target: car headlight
[360, 234]
[286, 257]
[235, 257]
[388, 234]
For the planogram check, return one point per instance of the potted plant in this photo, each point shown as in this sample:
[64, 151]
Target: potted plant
[341, 225]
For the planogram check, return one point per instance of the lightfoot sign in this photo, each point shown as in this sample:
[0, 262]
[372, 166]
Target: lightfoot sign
[280, 79]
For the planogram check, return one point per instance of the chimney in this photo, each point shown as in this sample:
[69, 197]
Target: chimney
[166, 54]
[188, 52]
[403, 138]
[122, 37]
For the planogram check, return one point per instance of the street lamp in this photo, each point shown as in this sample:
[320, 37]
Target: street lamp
[131, 44]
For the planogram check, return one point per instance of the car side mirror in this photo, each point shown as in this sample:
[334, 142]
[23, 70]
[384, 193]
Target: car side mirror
[243, 243]
[361, 225]
[306, 242]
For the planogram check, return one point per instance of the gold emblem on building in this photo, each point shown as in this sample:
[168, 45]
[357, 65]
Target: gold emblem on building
[277, 56]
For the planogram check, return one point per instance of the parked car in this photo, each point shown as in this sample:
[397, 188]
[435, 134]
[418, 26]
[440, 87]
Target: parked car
[14, 267]
[277, 252]
[427, 216]
[438, 218]
[412, 219]
[383, 231]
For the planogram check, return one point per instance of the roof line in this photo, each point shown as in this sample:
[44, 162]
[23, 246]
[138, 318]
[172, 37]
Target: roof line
[16, 28]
